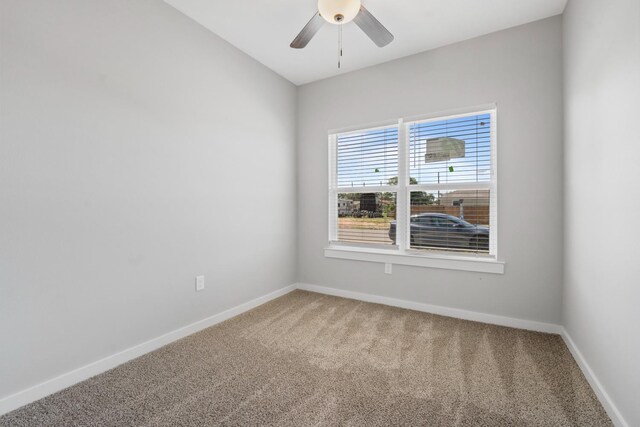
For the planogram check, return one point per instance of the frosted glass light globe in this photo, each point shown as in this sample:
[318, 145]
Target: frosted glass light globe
[338, 11]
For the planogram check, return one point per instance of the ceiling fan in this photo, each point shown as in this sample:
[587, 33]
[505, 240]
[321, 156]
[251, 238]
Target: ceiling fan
[340, 12]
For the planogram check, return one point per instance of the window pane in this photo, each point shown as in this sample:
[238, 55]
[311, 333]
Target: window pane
[368, 158]
[451, 151]
[450, 220]
[366, 217]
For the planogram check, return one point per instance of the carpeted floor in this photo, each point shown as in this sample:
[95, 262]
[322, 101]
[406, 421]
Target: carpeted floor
[310, 359]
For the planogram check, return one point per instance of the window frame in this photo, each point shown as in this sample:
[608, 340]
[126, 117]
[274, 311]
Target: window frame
[401, 253]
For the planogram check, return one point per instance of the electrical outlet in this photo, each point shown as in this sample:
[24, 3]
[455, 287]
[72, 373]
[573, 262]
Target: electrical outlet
[199, 283]
[387, 268]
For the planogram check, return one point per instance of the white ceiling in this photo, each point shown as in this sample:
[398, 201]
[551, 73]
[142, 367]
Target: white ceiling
[264, 28]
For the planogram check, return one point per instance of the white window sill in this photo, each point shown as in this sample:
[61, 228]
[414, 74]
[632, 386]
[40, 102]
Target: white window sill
[481, 264]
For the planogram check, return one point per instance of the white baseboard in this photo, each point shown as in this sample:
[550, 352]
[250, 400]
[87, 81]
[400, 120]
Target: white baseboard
[68, 379]
[494, 319]
[603, 396]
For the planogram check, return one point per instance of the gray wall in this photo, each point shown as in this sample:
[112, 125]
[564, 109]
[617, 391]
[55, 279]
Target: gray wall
[520, 69]
[602, 108]
[137, 150]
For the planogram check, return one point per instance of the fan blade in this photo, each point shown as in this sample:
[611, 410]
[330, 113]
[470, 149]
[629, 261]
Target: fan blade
[308, 32]
[373, 28]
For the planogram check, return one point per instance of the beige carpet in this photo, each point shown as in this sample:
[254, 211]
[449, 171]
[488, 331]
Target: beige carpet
[310, 359]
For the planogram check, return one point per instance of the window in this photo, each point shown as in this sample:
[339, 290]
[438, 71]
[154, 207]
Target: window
[422, 187]
[365, 164]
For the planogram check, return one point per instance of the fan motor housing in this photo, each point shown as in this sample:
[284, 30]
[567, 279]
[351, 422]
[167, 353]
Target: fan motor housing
[338, 12]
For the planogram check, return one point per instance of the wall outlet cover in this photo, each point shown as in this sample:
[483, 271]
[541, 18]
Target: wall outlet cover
[199, 283]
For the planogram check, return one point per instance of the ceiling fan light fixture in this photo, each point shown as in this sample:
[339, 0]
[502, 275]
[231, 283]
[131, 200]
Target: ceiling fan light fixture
[338, 12]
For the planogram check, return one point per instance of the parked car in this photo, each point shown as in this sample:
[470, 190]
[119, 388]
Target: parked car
[442, 230]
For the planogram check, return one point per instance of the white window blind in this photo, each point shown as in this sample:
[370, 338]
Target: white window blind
[425, 186]
[456, 150]
[452, 184]
[363, 182]
[367, 158]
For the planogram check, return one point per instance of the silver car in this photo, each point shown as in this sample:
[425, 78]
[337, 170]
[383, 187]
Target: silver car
[447, 231]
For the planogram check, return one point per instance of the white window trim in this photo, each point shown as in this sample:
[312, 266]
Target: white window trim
[479, 263]
[401, 254]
